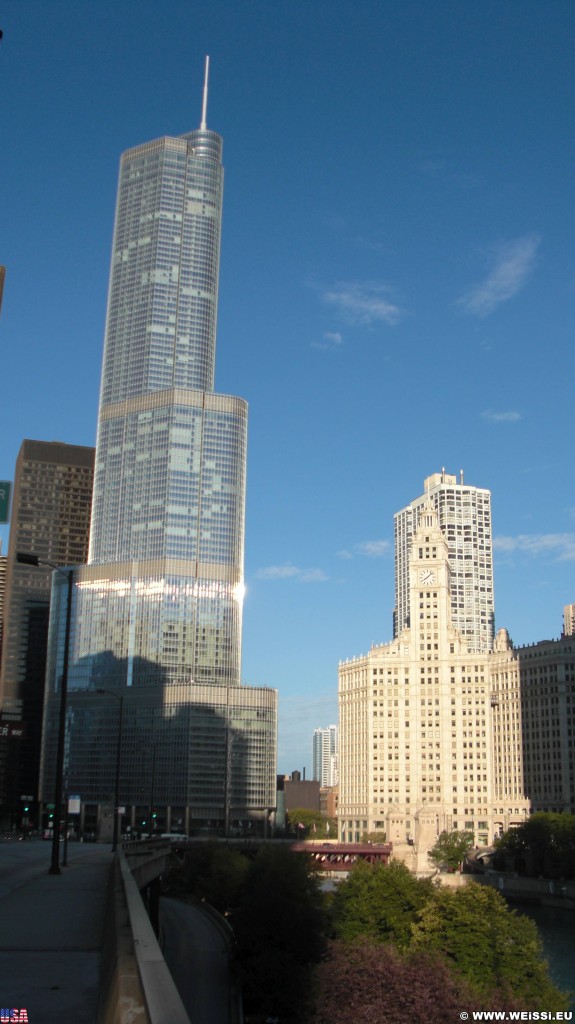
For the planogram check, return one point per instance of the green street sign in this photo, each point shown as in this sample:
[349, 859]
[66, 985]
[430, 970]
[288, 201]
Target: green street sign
[5, 489]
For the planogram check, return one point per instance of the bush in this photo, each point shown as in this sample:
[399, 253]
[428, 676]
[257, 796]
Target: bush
[380, 902]
[491, 947]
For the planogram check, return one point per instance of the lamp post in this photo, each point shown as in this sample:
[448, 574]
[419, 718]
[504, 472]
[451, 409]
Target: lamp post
[27, 559]
[120, 699]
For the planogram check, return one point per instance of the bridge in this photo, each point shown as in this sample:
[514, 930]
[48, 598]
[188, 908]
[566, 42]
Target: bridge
[342, 856]
[82, 945]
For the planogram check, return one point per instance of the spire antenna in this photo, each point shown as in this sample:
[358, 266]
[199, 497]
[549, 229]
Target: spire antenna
[203, 124]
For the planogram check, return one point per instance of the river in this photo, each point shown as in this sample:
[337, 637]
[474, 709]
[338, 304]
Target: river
[556, 928]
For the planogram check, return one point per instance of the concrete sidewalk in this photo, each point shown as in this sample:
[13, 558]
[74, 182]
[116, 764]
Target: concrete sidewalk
[51, 929]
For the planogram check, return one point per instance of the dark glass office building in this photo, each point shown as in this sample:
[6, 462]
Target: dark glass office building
[51, 517]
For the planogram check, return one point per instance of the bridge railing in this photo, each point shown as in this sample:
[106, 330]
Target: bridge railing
[136, 983]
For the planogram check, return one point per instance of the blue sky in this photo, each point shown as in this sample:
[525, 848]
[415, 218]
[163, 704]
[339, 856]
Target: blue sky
[397, 286]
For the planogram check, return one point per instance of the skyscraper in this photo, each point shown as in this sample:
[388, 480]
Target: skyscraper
[158, 609]
[464, 515]
[436, 736]
[51, 518]
[325, 755]
[416, 755]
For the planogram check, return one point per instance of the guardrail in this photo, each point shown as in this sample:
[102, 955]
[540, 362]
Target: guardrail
[137, 987]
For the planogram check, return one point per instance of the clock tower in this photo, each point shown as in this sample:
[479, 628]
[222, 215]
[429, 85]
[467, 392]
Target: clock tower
[431, 635]
[415, 750]
[430, 581]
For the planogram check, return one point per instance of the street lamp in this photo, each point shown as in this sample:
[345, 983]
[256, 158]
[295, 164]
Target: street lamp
[27, 559]
[120, 699]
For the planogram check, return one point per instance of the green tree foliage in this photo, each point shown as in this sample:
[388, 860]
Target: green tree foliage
[315, 826]
[450, 849]
[211, 872]
[493, 948]
[380, 902]
[280, 929]
[495, 952]
[373, 837]
[544, 845]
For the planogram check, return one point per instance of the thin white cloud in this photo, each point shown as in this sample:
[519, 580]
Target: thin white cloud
[373, 548]
[514, 261]
[330, 340]
[366, 548]
[289, 571]
[363, 302]
[435, 166]
[313, 576]
[511, 416]
[559, 545]
[277, 572]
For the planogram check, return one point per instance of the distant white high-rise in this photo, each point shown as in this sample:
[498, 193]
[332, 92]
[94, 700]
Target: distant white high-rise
[325, 756]
[464, 516]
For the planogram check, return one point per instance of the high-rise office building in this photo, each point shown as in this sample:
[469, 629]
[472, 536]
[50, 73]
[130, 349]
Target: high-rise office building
[50, 518]
[464, 515]
[434, 736]
[3, 568]
[325, 755]
[569, 620]
[533, 721]
[416, 752]
[157, 612]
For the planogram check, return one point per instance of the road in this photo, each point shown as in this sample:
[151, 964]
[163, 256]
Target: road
[51, 939]
[196, 950]
[22, 861]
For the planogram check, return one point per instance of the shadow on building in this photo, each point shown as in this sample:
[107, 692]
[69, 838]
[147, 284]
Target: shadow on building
[192, 756]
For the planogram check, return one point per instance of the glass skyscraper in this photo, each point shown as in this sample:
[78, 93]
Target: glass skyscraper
[157, 613]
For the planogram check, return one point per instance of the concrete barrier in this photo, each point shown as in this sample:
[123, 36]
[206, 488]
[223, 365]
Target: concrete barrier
[547, 891]
[136, 985]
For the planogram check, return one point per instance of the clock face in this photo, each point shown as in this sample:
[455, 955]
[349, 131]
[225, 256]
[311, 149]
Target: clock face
[427, 576]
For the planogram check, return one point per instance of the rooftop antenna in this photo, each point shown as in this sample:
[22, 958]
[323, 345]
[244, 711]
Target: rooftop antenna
[203, 125]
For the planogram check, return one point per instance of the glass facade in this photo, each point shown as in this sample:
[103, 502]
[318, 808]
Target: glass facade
[157, 611]
[162, 304]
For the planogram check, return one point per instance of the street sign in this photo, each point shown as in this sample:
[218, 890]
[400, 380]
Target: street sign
[5, 489]
[14, 730]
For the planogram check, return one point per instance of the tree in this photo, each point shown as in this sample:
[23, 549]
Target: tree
[315, 826]
[373, 837]
[544, 845]
[450, 849]
[493, 948]
[280, 929]
[209, 871]
[379, 901]
[367, 983]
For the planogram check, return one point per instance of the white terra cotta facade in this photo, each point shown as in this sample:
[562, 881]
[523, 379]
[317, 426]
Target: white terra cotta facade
[415, 727]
